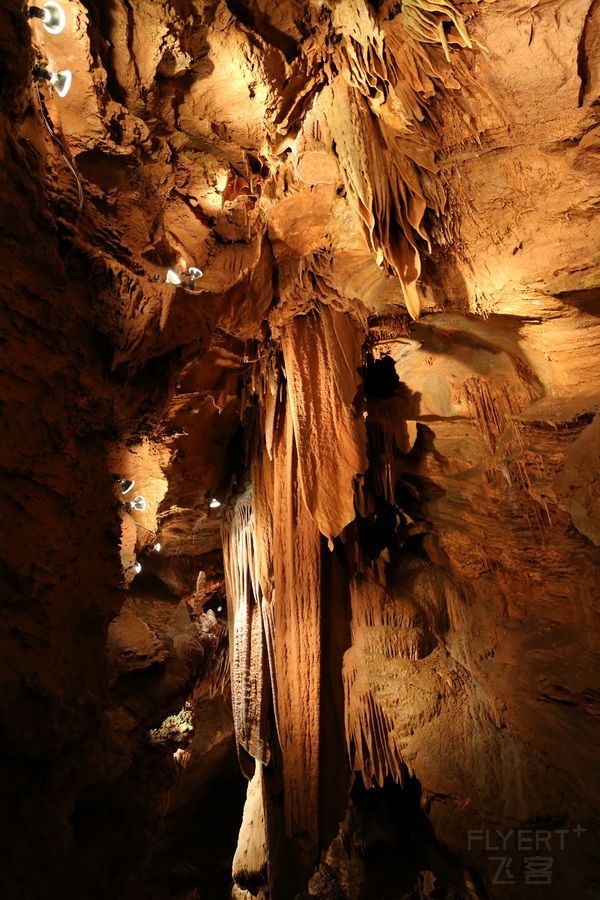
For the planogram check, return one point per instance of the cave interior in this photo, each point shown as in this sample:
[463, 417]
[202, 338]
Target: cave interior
[300, 456]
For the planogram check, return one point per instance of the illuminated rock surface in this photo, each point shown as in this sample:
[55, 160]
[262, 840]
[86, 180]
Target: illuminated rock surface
[388, 376]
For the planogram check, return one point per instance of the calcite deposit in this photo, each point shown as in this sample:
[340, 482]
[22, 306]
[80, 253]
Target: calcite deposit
[345, 646]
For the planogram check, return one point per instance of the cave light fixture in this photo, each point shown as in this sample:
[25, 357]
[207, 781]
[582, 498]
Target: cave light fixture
[138, 504]
[61, 81]
[51, 15]
[187, 278]
[157, 547]
[126, 483]
[137, 568]
[214, 503]
[172, 277]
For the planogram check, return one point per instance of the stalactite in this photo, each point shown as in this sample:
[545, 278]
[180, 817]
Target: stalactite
[322, 353]
[297, 625]
[427, 20]
[494, 408]
[388, 200]
[249, 676]
[369, 732]
[386, 625]
[389, 436]
[263, 493]
[387, 330]
[534, 506]
[376, 117]
[302, 472]
[272, 550]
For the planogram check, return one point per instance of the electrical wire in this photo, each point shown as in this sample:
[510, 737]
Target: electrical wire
[58, 141]
[139, 524]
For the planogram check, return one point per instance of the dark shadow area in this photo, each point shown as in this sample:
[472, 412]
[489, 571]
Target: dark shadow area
[200, 828]
[587, 50]
[586, 301]
[388, 828]
[424, 444]
[259, 22]
[102, 18]
[378, 531]
[380, 378]
[335, 636]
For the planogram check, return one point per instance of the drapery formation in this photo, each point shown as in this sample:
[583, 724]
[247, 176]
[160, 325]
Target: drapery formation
[308, 447]
[249, 679]
[272, 565]
[321, 355]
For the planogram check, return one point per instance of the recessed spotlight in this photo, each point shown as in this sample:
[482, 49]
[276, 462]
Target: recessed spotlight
[126, 483]
[138, 503]
[60, 80]
[52, 16]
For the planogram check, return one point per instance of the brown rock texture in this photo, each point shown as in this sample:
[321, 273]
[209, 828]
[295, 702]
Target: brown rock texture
[367, 439]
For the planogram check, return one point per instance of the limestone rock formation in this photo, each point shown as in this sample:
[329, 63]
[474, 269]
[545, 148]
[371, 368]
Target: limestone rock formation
[362, 579]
